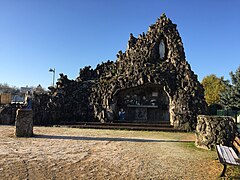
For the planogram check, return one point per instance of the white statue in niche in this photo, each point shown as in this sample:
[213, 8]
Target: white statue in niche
[162, 49]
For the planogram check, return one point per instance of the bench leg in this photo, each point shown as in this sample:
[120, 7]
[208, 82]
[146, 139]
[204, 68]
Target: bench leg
[224, 170]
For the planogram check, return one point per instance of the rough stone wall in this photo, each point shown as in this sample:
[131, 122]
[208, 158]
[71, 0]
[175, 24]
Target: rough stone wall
[212, 130]
[24, 123]
[67, 101]
[8, 113]
[141, 64]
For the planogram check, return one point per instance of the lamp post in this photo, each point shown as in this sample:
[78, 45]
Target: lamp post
[53, 71]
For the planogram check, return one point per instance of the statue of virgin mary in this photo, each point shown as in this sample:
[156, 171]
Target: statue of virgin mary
[162, 49]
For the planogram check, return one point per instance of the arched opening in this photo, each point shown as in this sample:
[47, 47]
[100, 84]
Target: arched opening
[144, 104]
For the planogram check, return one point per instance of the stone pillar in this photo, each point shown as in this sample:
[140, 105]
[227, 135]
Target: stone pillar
[24, 123]
[212, 130]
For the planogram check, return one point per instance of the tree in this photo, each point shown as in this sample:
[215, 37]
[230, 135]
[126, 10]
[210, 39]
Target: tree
[5, 88]
[213, 86]
[230, 98]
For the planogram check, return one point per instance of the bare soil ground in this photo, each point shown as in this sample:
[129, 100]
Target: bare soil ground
[66, 153]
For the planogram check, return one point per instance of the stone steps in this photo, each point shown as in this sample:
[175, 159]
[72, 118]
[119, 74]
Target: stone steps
[123, 126]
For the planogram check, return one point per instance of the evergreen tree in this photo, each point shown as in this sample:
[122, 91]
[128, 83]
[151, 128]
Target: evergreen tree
[230, 98]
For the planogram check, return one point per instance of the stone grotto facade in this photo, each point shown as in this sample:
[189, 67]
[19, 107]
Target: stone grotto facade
[151, 81]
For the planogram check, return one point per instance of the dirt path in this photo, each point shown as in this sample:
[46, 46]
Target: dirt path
[64, 153]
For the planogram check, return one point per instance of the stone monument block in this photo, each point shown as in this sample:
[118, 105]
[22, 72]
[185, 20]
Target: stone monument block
[213, 130]
[24, 123]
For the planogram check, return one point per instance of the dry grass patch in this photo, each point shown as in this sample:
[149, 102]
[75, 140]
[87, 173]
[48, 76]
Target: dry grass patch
[68, 153]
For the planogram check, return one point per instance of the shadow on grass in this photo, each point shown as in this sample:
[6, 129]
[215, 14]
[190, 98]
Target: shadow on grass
[105, 139]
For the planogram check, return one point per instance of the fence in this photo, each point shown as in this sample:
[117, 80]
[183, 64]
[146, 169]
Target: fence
[230, 112]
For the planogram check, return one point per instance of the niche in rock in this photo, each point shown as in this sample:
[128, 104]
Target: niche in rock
[162, 49]
[144, 104]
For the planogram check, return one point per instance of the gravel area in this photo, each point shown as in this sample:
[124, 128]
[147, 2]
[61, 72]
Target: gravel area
[68, 153]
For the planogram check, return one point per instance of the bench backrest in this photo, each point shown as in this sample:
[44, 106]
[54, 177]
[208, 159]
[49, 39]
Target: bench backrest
[236, 144]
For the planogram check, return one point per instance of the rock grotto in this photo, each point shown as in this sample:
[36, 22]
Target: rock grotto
[151, 81]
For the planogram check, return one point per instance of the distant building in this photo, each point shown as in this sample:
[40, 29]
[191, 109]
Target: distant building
[5, 98]
[24, 90]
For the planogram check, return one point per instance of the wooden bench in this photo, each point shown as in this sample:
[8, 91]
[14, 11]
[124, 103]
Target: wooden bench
[228, 156]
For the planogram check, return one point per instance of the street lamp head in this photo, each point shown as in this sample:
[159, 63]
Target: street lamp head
[52, 70]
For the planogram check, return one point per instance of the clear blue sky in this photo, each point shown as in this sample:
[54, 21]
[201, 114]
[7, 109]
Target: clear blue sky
[36, 35]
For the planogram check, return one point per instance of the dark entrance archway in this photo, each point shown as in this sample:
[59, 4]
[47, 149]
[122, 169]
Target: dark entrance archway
[144, 104]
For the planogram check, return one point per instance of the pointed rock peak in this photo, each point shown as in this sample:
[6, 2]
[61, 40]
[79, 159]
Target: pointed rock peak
[163, 15]
[132, 41]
